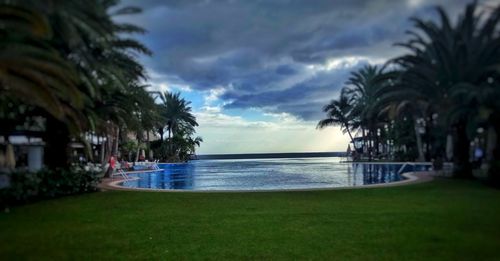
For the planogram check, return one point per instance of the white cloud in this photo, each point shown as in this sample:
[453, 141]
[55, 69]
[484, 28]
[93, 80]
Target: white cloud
[163, 87]
[211, 116]
[164, 83]
[262, 139]
[224, 133]
[345, 62]
[211, 109]
[183, 87]
[415, 3]
[286, 118]
[213, 95]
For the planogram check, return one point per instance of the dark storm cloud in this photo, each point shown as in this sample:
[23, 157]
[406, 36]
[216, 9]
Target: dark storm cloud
[260, 51]
[304, 99]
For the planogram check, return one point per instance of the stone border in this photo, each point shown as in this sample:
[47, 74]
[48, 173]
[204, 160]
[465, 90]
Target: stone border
[411, 178]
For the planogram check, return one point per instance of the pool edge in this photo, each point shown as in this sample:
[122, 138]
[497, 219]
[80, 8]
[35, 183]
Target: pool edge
[412, 177]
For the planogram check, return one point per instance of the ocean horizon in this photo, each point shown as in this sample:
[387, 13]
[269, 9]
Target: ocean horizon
[270, 155]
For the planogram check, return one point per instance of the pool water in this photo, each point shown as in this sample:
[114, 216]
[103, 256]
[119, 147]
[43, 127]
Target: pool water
[268, 174]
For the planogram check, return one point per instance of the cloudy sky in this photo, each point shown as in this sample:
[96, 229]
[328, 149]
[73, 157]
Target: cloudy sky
[259, 72]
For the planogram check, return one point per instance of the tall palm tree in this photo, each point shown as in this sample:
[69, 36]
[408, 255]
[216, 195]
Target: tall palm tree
[338, 114]
[179, 120]
[31, 70]
[479, 91]
[396, 100]
[85, 46]
[106, 62]
[34, 72]
[445, 59]
[362, 87]
[177, 113]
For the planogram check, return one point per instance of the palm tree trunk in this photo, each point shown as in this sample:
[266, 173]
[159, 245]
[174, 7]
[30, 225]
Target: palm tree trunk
[418, 138]
[370, 143]
[101, 141]
[107, 149]
[461, 164]
[169, 144]
[138, 151]
[57, 139]
[148, 146]
[349, 132]
[494, 163]
[116, 141]
[363, 132]
[428, 142]
[161, 132]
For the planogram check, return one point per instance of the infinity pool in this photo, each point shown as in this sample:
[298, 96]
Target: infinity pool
[267, 174]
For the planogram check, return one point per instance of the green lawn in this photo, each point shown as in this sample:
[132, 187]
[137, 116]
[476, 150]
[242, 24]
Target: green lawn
[443, 219]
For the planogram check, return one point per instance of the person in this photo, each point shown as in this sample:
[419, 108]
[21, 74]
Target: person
[112, 165]
[124, 164]
[112, 162]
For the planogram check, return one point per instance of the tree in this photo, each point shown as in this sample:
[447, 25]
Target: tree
[477, 92]
[443, 61]
[180, 123]
[32, 72]
[397, 100]
[362, 87]
[177, 113]
[105, 60]
[78, 69]
[338, 114]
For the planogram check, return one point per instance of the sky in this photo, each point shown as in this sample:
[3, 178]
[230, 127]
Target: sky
[259, 72]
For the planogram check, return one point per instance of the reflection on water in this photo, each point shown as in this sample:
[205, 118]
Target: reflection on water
[175, 176]
[367, 174]
[265, 174]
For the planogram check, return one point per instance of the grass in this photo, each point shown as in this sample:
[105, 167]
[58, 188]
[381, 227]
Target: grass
[443, 219]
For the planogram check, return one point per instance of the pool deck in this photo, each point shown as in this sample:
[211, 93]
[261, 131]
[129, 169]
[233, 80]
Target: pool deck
[411, 178]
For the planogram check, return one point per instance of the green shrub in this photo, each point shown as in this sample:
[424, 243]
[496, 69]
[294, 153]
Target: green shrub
[26, 186]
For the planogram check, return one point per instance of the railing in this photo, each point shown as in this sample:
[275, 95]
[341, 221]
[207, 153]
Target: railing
[404, 165]
[146, 165]
[123, 174]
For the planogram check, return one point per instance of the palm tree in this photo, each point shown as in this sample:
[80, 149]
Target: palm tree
[362, 88]
[179, 120]
[338, 114]
[77, 61]
[443, 61]
[177, 113]
[185, 145]
[31, 70]
[132, 110]
[396, 100]
[478, 92]
[105, 61]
